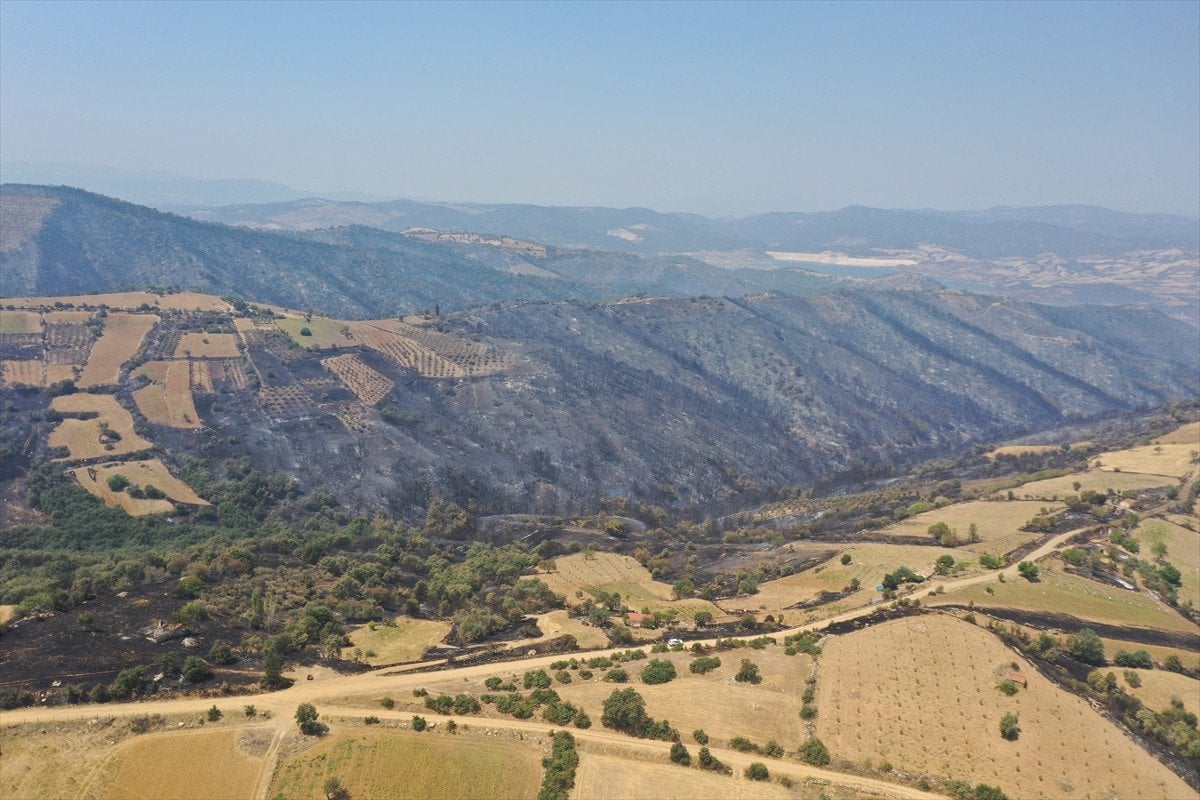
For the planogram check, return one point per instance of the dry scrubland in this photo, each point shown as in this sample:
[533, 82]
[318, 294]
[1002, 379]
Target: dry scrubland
[367, 384]
[1059, 592]
[610, 572]
[208, 345]
[82, 437]
[1096, 480]
[180, 301]
[1184, 434]
[395, 764]
[123, 335]
[1159, 688]
[1171, 460]
[869, 562]
[882, 699]
[407, 640]
[1183, 550]
[168, 400]
[997, 522]
[602, 777]
[142, 473]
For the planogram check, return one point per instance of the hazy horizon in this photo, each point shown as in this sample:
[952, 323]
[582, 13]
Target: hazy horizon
[718, 109]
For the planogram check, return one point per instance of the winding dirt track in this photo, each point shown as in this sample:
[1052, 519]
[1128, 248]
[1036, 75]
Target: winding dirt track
[401, 680]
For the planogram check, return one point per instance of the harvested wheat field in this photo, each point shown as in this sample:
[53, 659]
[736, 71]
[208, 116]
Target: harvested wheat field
[1184, 434]
[602, 777]
[189, 765]
[168, 400]
[23, 372]
[123, 335]
[179, 301]
[1159, 688]
[610, 572]
[997, 523]
[93, 438]
[374, 763]
[1095, 479]
[869, 562]
[920, 694]
[367, 384]
[142, 474]
[208, 345]
[20, 321]
[54, 762]
[1023, 450]
[1060, 592]
[407, 640]
[1171, 460]
[66, 317]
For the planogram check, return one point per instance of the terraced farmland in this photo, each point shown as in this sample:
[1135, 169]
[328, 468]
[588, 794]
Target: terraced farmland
[367, 384]
[93, 438]
[142, 474]
[123, 335]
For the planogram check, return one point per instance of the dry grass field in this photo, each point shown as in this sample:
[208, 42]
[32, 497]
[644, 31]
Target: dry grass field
[559, 622]
[180, 301]
[208, 345]
[611, 572]
[23, 372]
[168, 400]
[20, 322]
[395, 764]
[1023, 449]
[881, 698]
[367, 384]
[51, 763]
[123, 335]
[1184, 434]
[1095, 479]
[1183, 551]
[869, 562]
[1171, 460]
[83, 437]
[997, 523]
[324, 333]
[1057, 591]
[7, 612]
[66, 317]
[187, 765]
[1189, 658]
[602, 777]
[1159, 688]
[407, 640]
[141, 473]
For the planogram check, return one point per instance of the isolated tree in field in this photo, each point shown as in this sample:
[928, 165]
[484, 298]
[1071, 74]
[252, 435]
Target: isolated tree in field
[306, 718]
[334, 790]
[747, 672]
[1086, 646]
[658, 671]
[814, 752]
[272, 668]
[1029, 570]
[703, 617]
[846, 558]
[625, 711]
[1009, 727]
[680, 754]
[944, 564]
[117, 483]
[195, 669]
[758, 772]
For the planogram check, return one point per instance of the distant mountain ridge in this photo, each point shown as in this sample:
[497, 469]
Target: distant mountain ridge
[1069, 231]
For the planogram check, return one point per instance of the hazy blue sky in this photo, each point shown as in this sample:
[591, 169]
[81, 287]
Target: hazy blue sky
[715, 108]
